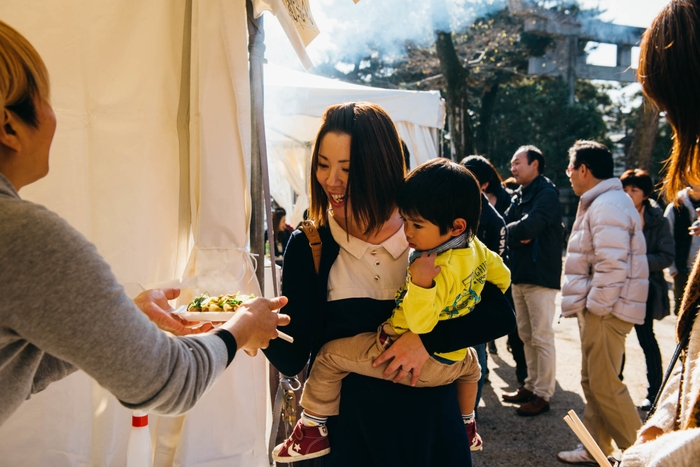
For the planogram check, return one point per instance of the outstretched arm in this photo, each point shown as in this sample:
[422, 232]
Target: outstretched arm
[154, 304]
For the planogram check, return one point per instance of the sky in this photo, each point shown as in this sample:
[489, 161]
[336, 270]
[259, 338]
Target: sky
[629, 12]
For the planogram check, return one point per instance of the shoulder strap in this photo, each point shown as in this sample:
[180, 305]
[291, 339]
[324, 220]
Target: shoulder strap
[682, 345]
[285, 400]
[311, 232]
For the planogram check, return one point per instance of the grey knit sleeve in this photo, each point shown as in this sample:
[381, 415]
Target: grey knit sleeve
[64, 300]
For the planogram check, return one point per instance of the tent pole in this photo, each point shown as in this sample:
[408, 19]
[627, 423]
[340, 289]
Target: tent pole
[259, 179]
[183, 134]
[260, 196]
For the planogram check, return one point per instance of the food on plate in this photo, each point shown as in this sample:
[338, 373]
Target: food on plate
[223, 303]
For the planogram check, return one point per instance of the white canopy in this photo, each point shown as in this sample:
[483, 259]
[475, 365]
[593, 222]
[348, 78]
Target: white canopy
[294, 104]
[149, 162]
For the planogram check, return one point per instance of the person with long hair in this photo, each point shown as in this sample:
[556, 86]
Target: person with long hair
[282, 232]
[357, 166]
[669, 71]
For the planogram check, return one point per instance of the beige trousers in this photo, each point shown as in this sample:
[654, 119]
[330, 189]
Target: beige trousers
[355, 355]
[535, 309]
[609, 413]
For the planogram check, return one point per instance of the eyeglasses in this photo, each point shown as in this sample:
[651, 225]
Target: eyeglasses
[570, 170]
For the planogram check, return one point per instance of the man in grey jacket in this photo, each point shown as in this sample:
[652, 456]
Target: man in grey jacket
[605, 286]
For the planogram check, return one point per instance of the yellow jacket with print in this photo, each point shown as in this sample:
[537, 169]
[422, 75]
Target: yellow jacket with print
[456, 291]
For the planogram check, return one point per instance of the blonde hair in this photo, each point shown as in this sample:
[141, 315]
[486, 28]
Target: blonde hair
[23, 75]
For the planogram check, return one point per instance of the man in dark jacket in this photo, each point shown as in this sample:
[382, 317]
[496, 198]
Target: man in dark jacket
[535, 237]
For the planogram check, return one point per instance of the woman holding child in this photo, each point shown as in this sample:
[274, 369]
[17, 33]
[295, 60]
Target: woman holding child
[357, 167]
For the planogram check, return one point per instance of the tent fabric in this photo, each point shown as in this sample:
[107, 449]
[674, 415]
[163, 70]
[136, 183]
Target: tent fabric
[142, 188]
[294, 104]
[228, 425]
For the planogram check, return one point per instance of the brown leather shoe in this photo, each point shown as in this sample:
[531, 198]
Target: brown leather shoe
[534, 406]
[521, 395]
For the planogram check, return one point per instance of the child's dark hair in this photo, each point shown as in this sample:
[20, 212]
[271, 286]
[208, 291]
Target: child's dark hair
[441, 191]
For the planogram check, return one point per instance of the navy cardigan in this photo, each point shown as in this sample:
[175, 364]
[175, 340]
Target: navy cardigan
[380, 423]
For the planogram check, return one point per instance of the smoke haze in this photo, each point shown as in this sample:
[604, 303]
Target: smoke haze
[351, 31]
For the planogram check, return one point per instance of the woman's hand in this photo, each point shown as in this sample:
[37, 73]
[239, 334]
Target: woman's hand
[694, 230]
[649, 434]
[255, 323]
[154, 304]
[407, 355]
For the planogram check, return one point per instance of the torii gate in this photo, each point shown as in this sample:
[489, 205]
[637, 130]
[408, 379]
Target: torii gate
[565, 59]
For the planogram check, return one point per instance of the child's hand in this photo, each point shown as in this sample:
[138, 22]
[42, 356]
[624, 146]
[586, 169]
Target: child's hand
[423, 270]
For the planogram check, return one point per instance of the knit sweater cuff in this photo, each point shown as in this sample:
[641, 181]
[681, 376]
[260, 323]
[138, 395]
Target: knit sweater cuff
[230, 341]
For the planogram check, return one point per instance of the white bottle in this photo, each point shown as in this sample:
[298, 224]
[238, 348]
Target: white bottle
[138, 452]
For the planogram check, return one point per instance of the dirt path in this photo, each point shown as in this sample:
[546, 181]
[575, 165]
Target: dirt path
[513, 441]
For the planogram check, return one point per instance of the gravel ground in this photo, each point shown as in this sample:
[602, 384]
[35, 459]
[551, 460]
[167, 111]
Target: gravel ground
[511, 440]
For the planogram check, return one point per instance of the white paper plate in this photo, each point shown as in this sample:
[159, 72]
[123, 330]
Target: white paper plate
[205, 315]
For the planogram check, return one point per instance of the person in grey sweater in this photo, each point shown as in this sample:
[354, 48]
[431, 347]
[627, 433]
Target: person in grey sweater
[61, 308]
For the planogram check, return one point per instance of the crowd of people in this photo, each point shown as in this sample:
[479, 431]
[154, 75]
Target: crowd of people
[410, 285]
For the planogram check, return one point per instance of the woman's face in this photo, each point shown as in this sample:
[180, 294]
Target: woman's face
[636, 194]
[35, 145]
[333, 169]
[282, 223]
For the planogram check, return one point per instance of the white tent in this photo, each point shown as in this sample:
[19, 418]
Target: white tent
[149, 162]
[294, 104]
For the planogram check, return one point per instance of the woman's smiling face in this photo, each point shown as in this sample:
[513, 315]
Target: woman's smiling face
[333, 169]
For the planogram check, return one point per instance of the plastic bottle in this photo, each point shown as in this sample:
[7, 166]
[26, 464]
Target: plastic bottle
[138, 452]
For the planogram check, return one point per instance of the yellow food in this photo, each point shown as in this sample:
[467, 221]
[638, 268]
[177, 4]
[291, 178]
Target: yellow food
[222, 303]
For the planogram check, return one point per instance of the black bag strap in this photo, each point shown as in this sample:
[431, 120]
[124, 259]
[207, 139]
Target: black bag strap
[679, 348]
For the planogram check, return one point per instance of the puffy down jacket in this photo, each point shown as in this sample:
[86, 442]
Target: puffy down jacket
[606, 268]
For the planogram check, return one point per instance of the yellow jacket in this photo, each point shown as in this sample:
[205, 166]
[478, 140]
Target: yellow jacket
[456, 291]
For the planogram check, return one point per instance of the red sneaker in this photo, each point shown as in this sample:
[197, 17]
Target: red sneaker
[305, 442]
[475, 442]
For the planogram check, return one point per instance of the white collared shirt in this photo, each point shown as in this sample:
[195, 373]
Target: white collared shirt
[363, 270]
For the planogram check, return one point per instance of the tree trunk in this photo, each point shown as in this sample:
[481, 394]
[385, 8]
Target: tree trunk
[639, 154]
[488, 101]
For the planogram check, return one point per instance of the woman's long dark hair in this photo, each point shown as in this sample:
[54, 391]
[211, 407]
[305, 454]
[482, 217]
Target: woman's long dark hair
[377, 164]
[669, 71]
